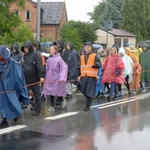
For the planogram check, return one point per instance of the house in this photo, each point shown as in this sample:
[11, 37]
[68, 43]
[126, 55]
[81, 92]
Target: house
[53, 16]
[118, 36]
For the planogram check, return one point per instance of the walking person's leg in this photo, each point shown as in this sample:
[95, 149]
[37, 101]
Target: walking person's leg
[88, 103]
[127, 84]
[52, 101]
[36, 90]
[115, 90]
[143, 85]
[69, 90]
[111, 93]
[119, 86]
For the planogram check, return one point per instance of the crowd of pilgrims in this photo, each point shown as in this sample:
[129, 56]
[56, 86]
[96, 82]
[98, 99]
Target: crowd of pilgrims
[30, 76]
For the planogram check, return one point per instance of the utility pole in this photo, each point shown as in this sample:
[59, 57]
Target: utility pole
[38, 20]
[108, 26]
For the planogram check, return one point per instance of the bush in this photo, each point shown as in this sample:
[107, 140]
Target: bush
[19, 35]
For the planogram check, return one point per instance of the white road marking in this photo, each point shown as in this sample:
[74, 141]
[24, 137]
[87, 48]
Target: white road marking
[10, 129]
[101, 106]
[142, 96]
[127, 101]
[61, 116]
[108, 103]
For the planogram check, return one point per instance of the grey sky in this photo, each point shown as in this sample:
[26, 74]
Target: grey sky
[78, 9]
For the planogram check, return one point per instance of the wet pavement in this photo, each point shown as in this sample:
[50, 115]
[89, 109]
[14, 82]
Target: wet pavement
[123, 124]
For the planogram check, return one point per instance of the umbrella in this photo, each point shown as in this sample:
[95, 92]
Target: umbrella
[144, 43]
[47, 44]
[97, 46]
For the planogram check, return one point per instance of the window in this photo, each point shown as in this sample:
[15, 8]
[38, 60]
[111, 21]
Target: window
[41, 16]
[28, 16]
[17, 12]
[125, 41]
[118, 42]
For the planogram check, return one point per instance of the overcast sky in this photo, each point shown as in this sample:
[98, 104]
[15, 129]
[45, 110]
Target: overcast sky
[77, 9]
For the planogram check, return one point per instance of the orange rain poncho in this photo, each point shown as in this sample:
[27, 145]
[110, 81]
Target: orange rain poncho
[135, 84]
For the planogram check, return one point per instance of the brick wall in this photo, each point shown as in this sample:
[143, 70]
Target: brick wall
[46, 30]
[49, 31]
[30, 6]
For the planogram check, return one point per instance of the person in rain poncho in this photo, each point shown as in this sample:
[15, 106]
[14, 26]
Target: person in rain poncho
[34, 73]
[135, 84]
[105, 55]
[72, 59]
[144, 60]
[139, 50]
[100, 87]
[12, 87]
[113, 68]
[16, 55]
[56, 76]
[128, 70]
[60, 45]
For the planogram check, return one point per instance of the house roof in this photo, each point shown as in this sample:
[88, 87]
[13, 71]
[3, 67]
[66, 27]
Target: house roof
[120, 32]
[52, 12]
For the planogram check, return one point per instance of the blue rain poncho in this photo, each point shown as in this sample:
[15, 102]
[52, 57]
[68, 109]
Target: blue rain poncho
[12, 89]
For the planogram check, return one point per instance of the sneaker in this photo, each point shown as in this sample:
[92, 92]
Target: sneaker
[69, 96]
[59, 100]
[129, 92]
[143, 91]
[134, 92]
[25, 106]
[4, 124]
[87, 108]
[43, 98]
[51, 109]
[111, 98]
[119, 94]
[36, 113]
[63, 103]
[32, 107]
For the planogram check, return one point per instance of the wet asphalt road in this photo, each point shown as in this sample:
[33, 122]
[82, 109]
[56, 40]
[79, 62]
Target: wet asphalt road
[123, 124]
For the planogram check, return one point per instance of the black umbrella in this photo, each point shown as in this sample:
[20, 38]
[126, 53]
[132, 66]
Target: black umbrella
[144, 43]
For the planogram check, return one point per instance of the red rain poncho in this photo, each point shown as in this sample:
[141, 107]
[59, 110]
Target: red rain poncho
[110, 66]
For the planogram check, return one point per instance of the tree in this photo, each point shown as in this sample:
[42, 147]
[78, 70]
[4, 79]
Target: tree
[9, 20]
[108, 10]
[68, 33]
[136, 18]
[78, 31]
[98, 11]
[20, 35]
[86, 31]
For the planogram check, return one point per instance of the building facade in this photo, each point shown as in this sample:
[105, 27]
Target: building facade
[53, 16]
[118, 36]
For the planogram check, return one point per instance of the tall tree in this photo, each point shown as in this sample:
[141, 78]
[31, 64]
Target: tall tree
[78, 32]
[86, 31]
[108, 10]
[98, 11]
[136, 17]
[68, 33]
[8, 19]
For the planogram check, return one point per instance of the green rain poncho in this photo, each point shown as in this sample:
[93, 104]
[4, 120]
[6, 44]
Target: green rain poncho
[145, 64]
